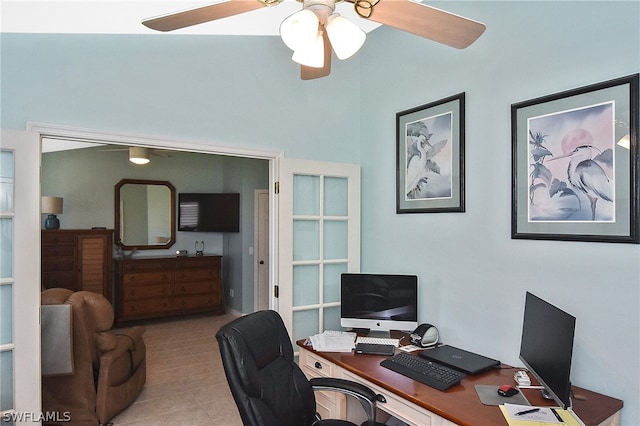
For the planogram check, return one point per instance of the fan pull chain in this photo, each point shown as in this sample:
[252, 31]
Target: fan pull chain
[364, 8]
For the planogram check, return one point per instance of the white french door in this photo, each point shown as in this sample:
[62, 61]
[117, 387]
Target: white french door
[319, 239]
[19, 277]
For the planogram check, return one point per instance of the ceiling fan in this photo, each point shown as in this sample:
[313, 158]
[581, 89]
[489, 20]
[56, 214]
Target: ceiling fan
[312, 32]
[140, 154]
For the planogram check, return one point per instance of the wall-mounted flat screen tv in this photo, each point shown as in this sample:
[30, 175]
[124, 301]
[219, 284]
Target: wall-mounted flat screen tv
[209, 212]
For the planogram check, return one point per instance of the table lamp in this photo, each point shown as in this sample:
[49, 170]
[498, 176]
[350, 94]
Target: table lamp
[52, 206]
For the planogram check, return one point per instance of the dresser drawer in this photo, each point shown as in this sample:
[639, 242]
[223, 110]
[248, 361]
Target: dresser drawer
[184, 275]
[60, 280]
[193, 288]
[147, 265]
[62, 264]
[141, 278]
[196, 302]
[147, 307]
[58, 238]
[58, 251]
[146, 291]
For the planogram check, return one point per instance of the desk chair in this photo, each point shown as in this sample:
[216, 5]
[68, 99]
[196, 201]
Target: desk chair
[267, 385]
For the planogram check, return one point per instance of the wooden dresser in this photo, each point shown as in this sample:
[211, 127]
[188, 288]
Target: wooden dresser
[78, 259]
[156, 287]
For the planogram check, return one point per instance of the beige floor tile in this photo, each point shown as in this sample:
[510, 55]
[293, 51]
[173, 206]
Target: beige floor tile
[185, 379]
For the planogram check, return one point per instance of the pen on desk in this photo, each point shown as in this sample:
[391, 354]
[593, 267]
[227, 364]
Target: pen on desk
[522, 413]
[555, 413]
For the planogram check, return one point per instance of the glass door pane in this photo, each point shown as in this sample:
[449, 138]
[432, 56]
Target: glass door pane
[7, 344]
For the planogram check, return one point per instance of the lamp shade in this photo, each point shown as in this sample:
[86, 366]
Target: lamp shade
[138, 155]
[299, 29]
[345, 36]
[311, 54]
[51, 205]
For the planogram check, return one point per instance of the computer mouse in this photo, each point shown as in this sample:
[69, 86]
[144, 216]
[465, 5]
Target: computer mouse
[507, 390]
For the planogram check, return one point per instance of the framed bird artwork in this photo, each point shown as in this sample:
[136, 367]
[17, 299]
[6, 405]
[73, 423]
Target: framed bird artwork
[430, 157]
[575, 164]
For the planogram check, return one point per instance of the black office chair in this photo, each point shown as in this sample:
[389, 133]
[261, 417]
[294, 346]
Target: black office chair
[268, 387]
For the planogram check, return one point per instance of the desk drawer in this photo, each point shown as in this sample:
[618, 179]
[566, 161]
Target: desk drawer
[399, 407]
[315, 366]
[329, 404]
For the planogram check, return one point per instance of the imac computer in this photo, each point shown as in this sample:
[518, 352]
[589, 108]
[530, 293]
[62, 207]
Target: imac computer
[547, 346]
[379, 302]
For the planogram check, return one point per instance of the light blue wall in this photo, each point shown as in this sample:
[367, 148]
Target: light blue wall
[244, 91]
[221, 90]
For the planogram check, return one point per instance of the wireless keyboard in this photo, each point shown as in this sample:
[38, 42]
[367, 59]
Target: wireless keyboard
[430, 373]
[378, 340]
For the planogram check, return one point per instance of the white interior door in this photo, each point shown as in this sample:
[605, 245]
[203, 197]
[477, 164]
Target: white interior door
[261, 249]
[319, 239]
[19, 277]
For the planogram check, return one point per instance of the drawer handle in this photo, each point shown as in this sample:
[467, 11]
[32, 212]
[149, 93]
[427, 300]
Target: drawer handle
[318, 365]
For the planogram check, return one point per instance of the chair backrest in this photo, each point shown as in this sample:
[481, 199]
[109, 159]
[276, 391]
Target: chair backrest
[268, 386]
[92, 313]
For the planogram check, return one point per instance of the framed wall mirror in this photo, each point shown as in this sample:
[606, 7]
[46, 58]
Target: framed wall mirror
[145, 214]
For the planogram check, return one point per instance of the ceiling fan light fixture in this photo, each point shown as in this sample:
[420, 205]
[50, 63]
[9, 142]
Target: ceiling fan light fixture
[311, 54]
[345, 36]
[299, 29]
[138, 155]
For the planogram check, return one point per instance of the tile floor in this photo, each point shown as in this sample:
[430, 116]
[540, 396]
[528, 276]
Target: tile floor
[186, 385]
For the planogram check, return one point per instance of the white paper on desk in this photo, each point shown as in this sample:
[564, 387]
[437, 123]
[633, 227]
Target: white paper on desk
[333, 341]
[544, 414]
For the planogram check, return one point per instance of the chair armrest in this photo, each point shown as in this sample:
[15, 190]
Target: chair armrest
[362, 393]
[119, 363]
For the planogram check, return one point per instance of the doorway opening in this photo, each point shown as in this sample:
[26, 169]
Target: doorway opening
[241, 293]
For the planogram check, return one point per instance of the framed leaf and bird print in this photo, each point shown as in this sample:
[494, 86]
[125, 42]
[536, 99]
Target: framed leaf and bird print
[575, 164]
[430, 157]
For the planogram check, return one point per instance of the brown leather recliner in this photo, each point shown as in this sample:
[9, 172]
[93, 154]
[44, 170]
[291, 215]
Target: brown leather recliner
[109, 368]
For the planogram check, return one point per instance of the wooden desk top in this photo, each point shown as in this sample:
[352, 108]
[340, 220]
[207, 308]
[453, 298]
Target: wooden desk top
[461, 404]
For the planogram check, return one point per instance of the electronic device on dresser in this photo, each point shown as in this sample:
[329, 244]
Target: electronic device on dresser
[379, 302]
[546, 348]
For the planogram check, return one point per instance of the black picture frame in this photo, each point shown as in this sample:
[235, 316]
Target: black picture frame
[430, 157]
[591, 193]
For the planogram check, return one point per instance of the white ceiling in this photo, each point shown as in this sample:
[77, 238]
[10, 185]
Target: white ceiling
[124, 17]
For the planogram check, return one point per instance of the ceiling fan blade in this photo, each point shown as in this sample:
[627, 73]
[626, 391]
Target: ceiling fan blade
[424, 21]
[310, 73]
[187, 18]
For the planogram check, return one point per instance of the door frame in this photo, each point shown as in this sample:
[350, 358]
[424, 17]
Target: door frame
[54, 131]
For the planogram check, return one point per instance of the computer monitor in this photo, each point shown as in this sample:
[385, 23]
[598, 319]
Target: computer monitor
[546, 348]
[379, 302]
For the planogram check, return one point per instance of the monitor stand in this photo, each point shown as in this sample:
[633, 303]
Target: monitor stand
[372, 333]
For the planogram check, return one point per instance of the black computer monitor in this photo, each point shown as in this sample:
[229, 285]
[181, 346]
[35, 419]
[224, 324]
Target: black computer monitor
[379, 302]
[546, 348]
